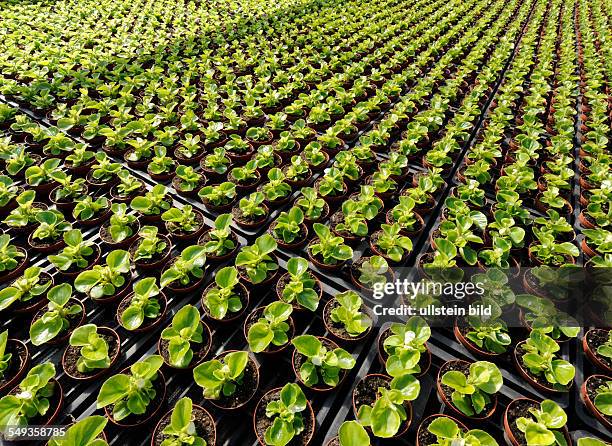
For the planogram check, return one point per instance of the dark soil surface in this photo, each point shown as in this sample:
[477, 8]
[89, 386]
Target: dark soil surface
[594, 340]
[592, 385]
[16, 362]
[426, 438]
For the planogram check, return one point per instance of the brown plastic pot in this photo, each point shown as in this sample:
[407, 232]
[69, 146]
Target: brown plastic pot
[324, 266]
[584, 395]
[308, 410]
[297, 244]
[24, 361]
[540, 387]
[98, 373]
[254, 224]
[34, 304]
[169, 415]
[66, 206]
[147, 324]
[45, 249]
[590, 354]
[153, 412]
[119, 293]
[508, 431]
[450, 404]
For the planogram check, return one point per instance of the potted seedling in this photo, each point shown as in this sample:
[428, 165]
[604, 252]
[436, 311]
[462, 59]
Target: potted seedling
[144, 308]
[257, 263]
[128, 187]
[286, 146]
[26, 293]
[297, 172]
[161, 167]
[548, 251]
[539, 364]
[251, 211]
[216, 164]
[319, 363]
[268, 329]
[331, 186]
[68, 191]
[47, 237]
[90, 211]
[266, 158]
[597, 242]
[283, 416]
[151, 249]
[187, 182]
[441, 429]
[347, 318]
[8, 192]
[371, 273]
[245, 177]
[314, 155]
[63, 314]
[40, 177]
[122, 228]
[470, 388]
[315, 208]
[184, 224]
[226, 299]
[238, 150]
[220, 243]
[597, 346]
[14, 360]
[36, 400]
[80, 160]
[184, 273]
[350, 433]
[22, 219]
[299, 286]
[77, 256]
[219, 197]
[107, 283]
[258, 136]
[289, 229]
[13, 259]
[152, 204]
[328, 251]
[402, 348]
[186, 423]
[186, 341]
[229, 381]
[383, 404]
[134, 396]
[529, 423]
[103, 172]
[485, 336]
[276, 190]
[92, 352]
[190, 150]
[87, 432]
[390, 244]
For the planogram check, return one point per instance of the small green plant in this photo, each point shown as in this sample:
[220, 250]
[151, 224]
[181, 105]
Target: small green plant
[329, 247]
[223, 299]
[32, 400]
[311, 204]
[143, 304]
[121, 223]
[37, 175]
[321, 363]
[69, 189]
[605, 349]
[218, 195]
[221, 242]
[286, 413]
[94, 348]
[406, 345]
[221, 376]
[24, 289]
[189, 179]
[387, 414]
[216, 161]
[348, 313]
[472, 393]
[25, 212]
[5, 358]
[257, 259]
[149, 244]
[272, 328]
[104, 280]
[160, 163]
[87, 207]
[603, 398]
[9, 254]
[351, 433]
[392, 243]
[540, 359]
[55, 320]
[447, 433]
[251, 207]
[181, 430]
[154, 202]
[51, 226]
[373, 272]
[275, 188]
[75, 253]
[83, 433]
[131, 393]
[186, 328]
[288, 225]
[543, 426]
[300, 287]
[183, 219]
[186, 267]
